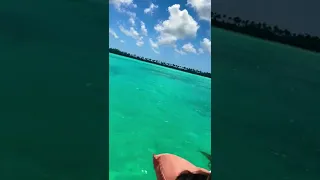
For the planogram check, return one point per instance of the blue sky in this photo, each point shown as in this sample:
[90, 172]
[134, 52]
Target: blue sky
[173, 31]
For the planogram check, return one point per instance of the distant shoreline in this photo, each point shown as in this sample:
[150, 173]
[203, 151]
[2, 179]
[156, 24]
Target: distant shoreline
[266, 32]
[267, 41]
[160, 63]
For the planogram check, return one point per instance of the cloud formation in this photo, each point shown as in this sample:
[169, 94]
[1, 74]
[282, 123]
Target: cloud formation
[132, 21]
[154, 46]
[121, 4]
[132, 33]
[111, 31]
[202, 7]
[179, 51]
[179, 25]
[144, 30]
[206, 44]
[150, 9]
[189, 48]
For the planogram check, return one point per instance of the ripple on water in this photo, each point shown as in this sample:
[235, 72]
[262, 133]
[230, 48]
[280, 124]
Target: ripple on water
[166, 114]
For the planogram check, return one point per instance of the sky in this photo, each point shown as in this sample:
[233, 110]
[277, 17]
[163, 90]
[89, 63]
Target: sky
[299, 16]
[173, 31]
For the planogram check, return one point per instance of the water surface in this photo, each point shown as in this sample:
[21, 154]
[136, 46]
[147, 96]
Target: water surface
[52, 125]
[265, 110]
[154, 109]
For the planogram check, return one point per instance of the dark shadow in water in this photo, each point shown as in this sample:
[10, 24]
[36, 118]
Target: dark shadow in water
[115, 70]
[172, 76]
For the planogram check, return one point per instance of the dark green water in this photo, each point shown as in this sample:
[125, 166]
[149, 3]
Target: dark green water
[54, 90]
[266, 114]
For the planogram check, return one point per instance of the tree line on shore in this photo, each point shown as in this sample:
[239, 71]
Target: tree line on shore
[161, 63]
[266, 32]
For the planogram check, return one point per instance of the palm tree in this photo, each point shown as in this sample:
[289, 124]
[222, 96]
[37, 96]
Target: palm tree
[264, 31]
[162, 63]
[237, 20]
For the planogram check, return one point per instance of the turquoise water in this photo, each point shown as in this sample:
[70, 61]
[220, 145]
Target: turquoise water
[155, 110]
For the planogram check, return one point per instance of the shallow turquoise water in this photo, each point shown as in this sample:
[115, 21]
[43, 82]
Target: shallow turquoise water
[155, 110]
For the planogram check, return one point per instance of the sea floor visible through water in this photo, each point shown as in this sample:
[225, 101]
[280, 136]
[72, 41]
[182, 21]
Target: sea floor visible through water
[155, 110]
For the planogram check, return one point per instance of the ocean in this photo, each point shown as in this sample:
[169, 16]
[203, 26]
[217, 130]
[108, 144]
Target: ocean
[155, 110]
[265, 109]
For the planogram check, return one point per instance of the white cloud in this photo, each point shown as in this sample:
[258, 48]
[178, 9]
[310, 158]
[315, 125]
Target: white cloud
[189, 48]
[122, 41]
[132, 17]
[132, 33]
[202, 7]
[132, 21]
[111, 31]
[200, 50]
[179, 25]
[155, 51]
[120, 4]
[179, 51]
[131, 14]
[140, 42]
[144, 30]
[153, 44]
[206, 44]
[166, 39]
[150, 9]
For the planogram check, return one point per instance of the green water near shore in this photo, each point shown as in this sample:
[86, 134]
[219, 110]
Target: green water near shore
[155, 110]
[265, 109]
